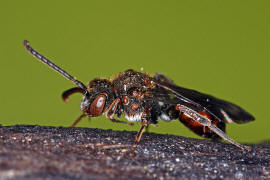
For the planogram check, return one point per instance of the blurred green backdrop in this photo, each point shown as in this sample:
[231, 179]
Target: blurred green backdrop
[214, 46]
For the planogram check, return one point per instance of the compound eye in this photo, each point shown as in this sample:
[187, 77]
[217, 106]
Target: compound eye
[97, 105]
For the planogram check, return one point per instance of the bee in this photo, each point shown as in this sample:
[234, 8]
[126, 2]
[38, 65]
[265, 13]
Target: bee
[145, 99]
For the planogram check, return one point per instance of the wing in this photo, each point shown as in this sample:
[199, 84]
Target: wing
[175, 106]
[223, 110]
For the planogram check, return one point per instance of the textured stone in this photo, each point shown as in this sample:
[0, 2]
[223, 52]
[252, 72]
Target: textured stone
[35, 152]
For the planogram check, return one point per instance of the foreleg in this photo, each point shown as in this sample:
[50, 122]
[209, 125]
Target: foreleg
[111, 112]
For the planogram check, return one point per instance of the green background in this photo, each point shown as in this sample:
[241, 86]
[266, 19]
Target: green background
[218, 47]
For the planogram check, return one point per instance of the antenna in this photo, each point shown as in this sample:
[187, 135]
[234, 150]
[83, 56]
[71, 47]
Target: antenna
[52, 65]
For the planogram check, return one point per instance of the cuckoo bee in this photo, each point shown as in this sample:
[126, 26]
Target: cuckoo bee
[145, 99]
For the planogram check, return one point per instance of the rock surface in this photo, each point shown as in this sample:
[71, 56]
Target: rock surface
[35, 152]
